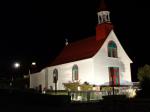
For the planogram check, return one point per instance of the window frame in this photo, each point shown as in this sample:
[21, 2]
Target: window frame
[55, 75]
[75, 73]
[112, 49]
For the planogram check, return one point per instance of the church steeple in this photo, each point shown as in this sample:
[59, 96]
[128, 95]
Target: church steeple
[104, 25]
[102, 6]
[103, 13]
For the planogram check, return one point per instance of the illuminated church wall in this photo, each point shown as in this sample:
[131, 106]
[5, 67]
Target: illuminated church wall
[85, 73]
[102, 62]
[37, 79]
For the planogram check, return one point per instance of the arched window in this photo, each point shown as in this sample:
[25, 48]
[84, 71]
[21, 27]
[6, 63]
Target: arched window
[75, 72]
[55, 75]
[112, 49]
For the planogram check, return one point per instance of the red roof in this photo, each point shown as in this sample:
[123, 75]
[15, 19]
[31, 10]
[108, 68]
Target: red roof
[79, 50]
[85, 48]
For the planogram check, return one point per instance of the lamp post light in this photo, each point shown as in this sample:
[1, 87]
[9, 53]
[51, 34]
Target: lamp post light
[32, 64]
[29, 71]
[16, 65]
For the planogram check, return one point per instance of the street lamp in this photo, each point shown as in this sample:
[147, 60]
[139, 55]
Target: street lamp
[29, 71]
[16, 65]
[32, 64]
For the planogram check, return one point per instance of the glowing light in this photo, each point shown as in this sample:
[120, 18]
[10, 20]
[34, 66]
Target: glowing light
[26, 76]
[131, 92]
[44, 92]
[16, 65]
[79, 88]
[33, 63]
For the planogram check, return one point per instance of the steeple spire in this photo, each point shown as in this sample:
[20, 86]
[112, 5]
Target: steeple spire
[102, 6]
[104, 25]
[103, 13]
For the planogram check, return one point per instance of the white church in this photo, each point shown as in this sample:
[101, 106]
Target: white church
[98, 60]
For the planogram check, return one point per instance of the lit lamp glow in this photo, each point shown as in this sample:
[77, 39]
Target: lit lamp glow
[33, 63]
[16, 65]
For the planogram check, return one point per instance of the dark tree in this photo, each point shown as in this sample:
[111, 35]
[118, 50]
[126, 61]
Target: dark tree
[144, 78]
[144, 72]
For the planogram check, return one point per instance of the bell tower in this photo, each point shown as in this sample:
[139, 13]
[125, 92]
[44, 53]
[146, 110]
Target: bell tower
[103, 13]
[104, 25]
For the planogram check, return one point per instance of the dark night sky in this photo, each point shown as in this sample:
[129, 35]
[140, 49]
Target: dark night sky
[36, 30]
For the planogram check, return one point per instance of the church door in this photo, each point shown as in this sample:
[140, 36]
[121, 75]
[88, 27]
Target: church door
[114, 76]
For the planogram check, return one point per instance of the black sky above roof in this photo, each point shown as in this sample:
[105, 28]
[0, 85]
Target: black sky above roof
[36, 30]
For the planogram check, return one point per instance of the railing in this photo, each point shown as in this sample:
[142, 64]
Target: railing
[85, 95]
[92, 95]
[80, 95]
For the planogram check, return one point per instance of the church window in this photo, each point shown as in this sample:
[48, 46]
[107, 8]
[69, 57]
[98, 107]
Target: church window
[114, 76]
[112, 49]
[75, 72]
[55, 76]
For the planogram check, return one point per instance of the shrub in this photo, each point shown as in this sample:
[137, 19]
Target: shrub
[71, 86]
